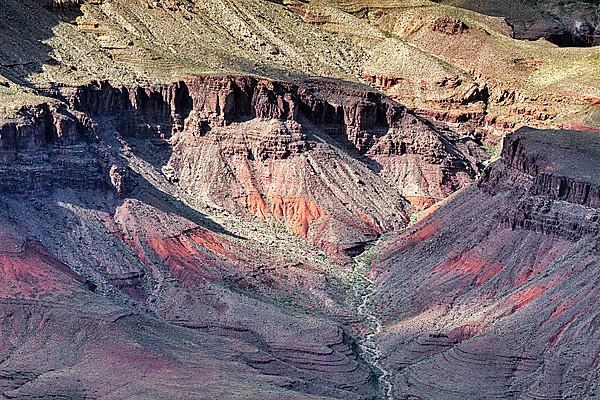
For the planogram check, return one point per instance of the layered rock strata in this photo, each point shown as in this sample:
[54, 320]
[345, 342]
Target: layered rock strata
[328, 160]
[499, 284]
[111, 180]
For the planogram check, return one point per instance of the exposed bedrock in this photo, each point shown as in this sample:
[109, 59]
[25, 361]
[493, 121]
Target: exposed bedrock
[69, 251]
[45, 146]
[99, 189]
[564, 23]
[495, 295]
[556, 179]
[564, 171]
[77, 350]
[332, 161]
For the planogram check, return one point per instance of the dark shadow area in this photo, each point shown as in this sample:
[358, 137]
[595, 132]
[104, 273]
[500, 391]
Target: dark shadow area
[566, 23]
[52, 148]
[147, 193]
[570, 39]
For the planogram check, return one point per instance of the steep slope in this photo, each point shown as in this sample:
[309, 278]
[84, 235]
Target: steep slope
[476, 72]
[348, 152]
[496, 294]
[187, 212]
[189, 202]
[107, 270]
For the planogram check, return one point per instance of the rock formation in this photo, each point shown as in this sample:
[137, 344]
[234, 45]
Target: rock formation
[567, 23]
[226, 141]
[104, 229]
[111, 178]
[498, 285]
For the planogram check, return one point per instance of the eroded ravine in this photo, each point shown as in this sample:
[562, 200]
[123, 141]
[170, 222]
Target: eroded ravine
[363, 291]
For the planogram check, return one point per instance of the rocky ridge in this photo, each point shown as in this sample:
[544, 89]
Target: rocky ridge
[347, 136]
[477, 94]
[124, 203]
[508, 299]
[186, 212]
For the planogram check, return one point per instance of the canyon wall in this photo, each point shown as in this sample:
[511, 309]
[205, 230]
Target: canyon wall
[493, 295]
[44, 147]
[556, 182]
[331, 161]
[98, 232]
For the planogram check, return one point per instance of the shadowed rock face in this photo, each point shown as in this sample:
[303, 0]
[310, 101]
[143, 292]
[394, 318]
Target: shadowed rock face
[328, 160]
[44, 147]
[209, 237]
[62, 5]
[559, 178]
[95, 238]
[574, 23]
[499, 286]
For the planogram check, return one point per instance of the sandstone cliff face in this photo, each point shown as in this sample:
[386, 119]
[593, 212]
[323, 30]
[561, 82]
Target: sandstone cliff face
[328, 161]
[564, 172]
[43, 147]
[498, 286]
[36, 127]
[107, 177]
[70, 240]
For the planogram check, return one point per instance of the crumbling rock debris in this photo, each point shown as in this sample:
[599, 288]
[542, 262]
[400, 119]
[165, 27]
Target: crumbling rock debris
[119, 179]
[449, 26]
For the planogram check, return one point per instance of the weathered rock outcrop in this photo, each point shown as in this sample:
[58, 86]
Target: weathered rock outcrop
[565, 171]
[35, 127]
[44, 147]
[71, 246]
[328, 160]
[552, 174]
[565, 23]
[449, 26]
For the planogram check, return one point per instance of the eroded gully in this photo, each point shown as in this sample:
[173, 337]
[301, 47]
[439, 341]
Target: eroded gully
[364, 289]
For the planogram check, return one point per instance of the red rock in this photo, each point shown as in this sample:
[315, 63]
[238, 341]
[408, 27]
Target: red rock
[227, 118]
[449, 26]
